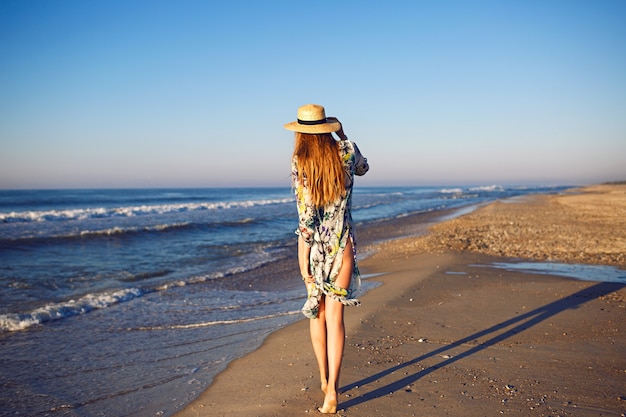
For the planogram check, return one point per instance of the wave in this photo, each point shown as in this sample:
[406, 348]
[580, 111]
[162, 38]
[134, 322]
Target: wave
[57, 311]
[218, 322]
[125, 230]
[13, 322]
[488, 188]
[451, 191]
[53, 235]
[51, 312]
[130, 211]
[484, 188]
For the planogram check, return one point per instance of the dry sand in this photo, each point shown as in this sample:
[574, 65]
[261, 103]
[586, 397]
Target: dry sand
[584, 226]
[447, 335]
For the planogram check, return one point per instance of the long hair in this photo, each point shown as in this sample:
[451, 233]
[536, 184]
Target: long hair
[320, 167]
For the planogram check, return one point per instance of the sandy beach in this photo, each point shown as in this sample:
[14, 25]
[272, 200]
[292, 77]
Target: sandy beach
[446, 334]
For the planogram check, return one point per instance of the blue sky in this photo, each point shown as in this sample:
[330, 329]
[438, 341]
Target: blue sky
[195, 93]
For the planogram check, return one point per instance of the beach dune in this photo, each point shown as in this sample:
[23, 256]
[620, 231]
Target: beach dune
[446, 334]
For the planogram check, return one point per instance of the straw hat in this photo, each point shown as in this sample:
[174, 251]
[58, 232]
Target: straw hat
[312, 119]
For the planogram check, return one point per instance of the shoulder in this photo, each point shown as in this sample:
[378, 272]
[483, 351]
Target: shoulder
[346, 146]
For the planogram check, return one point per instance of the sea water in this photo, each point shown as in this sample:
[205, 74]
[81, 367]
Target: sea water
[129, 302]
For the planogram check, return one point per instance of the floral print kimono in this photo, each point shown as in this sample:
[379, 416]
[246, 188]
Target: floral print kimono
[326, 231]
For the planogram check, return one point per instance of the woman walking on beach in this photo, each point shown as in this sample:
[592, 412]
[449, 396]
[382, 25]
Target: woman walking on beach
[323, 172]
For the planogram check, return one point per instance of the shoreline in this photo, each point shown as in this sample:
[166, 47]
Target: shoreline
[444, 336]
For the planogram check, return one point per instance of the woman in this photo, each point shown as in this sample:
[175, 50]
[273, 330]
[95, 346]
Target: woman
[323, 171]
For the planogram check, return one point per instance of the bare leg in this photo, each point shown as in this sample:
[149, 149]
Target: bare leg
[335, 331]
[318, 339]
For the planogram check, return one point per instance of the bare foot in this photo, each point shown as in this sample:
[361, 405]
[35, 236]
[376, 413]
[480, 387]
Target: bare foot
[329, 407]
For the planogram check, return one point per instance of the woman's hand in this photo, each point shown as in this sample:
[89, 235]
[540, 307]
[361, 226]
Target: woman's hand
[339, 133]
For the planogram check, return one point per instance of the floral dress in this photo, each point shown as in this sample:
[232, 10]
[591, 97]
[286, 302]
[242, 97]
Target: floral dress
[326, 231]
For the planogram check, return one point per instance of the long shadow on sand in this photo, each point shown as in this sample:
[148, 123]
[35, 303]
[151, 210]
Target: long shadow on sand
[499, 333]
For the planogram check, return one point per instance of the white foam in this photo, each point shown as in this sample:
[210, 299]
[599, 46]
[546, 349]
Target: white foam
[56, 311]
[218, 322]
[121, 230]
[130, 211]
[488, 188]
[451, 191]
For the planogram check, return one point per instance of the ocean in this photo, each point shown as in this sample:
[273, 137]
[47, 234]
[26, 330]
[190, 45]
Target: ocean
[129, 302]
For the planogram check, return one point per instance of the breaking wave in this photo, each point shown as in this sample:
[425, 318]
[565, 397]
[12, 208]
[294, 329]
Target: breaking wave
[130, 211]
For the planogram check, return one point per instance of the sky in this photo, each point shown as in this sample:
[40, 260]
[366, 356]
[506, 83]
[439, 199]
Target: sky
[110, 94]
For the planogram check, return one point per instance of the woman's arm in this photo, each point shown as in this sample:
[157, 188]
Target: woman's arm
[340, 132]
[305, 226]
[360, 162]
[304, 252]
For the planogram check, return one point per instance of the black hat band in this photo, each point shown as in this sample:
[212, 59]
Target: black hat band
[312, 122]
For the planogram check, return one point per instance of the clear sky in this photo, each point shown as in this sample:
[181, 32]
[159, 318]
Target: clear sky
[195, 93]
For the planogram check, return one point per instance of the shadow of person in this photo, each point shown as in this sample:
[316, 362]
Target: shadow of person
[497, 334]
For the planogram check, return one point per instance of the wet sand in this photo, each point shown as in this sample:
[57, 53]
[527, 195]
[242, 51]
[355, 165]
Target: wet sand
[448, 335]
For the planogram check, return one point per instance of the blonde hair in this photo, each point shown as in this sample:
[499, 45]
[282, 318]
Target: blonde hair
[320, 167]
